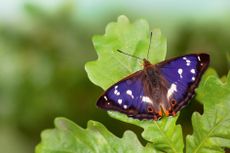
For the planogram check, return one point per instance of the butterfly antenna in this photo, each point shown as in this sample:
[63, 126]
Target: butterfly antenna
[129, 54]
[150, 41]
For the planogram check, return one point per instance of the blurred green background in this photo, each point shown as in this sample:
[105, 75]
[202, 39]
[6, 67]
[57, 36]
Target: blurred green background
[45, 44]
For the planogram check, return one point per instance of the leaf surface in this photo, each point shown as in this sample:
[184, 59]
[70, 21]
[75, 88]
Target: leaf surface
[211, 130]
[131, 38]
[67, 137]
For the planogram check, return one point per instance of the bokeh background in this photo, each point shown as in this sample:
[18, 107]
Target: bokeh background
[45, 44]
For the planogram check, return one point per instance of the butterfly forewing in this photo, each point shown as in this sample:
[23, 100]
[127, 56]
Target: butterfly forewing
[182, 75]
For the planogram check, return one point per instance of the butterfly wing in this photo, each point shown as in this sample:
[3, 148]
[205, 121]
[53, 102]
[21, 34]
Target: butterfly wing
[128, 96]
[182, 75]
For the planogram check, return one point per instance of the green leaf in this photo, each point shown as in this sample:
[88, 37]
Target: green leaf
[211, 129]
[163, 135]
[67, 137]
[132, 38]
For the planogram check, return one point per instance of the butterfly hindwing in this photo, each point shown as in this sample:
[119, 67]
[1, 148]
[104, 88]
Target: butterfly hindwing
[183, 75]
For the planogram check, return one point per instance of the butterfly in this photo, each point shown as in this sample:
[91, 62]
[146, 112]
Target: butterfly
[157, 89]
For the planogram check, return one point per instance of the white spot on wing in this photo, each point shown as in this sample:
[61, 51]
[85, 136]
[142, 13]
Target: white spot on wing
[125, 106]
[105, 98]
[198, 58]
[188, 62]
[180, 71]
[193, 78]
[192, 71]
[172, 89]
[119, 101]
[130, 93]
[116, 92]
[146, 99]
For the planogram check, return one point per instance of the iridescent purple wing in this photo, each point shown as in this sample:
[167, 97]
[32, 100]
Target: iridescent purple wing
[127, 96]
[182, 75]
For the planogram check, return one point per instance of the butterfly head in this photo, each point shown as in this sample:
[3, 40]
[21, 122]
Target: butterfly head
[146, 63]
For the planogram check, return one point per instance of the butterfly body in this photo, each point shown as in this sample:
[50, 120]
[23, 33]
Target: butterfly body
[163, 88]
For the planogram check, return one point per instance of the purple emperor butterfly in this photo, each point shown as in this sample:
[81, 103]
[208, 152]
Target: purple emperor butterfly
[157, 89]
